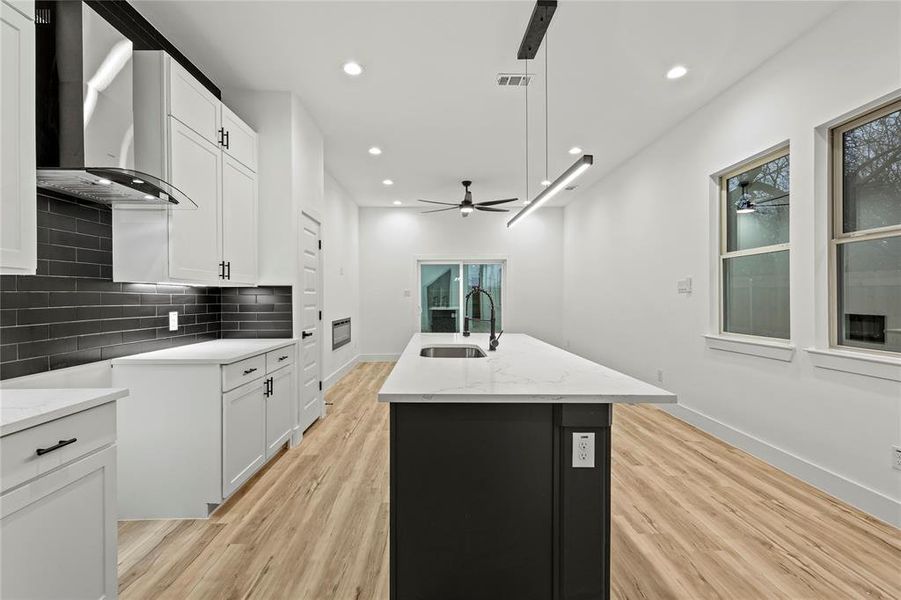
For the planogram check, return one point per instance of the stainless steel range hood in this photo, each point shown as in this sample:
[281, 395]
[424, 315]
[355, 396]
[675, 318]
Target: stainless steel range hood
[85, 112]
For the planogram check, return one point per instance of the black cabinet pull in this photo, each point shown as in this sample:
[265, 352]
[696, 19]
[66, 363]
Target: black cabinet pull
[250, 370]
[42, 451]
[222, 270]
[228, 272]
[225, 138]
[305, 335]
[270, 386]
[266, 391]
[221, 138]
[283, 357]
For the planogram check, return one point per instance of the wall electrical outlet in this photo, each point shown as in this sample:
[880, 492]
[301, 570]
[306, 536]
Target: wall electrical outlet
[896, 457]
[684, 285]
[660, 375]
[173, 321]
[583, 450]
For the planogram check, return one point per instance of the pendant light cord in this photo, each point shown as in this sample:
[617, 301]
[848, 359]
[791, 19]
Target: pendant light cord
[527, 132]
[547, 84]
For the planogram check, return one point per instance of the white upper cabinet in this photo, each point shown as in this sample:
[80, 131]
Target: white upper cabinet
[192, 104]
[195, 236]
[239, 222]
[238, 139]
[185, 136]
[18, 208]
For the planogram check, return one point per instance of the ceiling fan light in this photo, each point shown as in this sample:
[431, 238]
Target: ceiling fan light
[465, 209]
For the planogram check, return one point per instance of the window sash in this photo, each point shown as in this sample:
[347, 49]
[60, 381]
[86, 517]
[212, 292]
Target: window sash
[838, 156]
[839, 236]
[725, 254]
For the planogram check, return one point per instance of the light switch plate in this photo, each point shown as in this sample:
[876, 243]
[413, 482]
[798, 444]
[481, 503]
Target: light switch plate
[173, 321]
[684, 285]
[583, 450]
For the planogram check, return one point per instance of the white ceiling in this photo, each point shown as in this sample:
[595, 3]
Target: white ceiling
[428, 95]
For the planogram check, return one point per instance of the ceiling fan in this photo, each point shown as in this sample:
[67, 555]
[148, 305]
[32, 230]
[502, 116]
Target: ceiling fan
[467, 206]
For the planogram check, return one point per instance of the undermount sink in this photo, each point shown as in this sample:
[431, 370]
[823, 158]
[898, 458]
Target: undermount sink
[452, 352]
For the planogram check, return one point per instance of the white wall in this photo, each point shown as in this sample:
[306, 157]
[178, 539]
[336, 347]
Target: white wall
[341, 285]
[630, 237]
[392, 239]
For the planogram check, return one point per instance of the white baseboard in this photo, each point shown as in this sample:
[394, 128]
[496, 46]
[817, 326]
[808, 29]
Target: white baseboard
[379, 357]
[870, 501]
[340, 372]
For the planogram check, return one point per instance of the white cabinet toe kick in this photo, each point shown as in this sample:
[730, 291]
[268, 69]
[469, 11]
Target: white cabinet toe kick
[192, 433]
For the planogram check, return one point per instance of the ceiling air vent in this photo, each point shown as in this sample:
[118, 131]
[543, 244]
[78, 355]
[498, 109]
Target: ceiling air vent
[513, 79]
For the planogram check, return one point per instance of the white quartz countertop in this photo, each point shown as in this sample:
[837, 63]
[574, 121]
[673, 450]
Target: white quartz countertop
[21, 409]
[522, 369]
[220, 352]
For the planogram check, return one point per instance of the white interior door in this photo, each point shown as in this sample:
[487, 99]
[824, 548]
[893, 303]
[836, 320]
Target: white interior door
[311, 402]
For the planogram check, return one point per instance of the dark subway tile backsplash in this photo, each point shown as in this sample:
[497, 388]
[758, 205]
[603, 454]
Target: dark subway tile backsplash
[71, 313]
[260, 312]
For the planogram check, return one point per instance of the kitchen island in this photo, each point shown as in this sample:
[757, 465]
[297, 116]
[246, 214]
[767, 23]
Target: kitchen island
[500, 469]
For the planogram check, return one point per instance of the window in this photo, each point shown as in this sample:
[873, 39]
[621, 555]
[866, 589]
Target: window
[443, 286]
[866, 241]
[754, 248]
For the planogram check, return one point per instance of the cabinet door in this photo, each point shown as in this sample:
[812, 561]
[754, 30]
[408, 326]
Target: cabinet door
[193, 104]
[18, 233]
[58, 533]
[280, 410]
[240, 140]
[243, 434]
[239, 222]
[195, 167]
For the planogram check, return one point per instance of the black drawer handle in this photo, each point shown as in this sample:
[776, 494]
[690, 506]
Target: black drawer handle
[42, 451]
[305, 334]
[249, 371]
[283, 357]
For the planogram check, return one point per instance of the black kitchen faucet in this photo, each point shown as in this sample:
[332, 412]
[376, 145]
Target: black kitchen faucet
[493, 340]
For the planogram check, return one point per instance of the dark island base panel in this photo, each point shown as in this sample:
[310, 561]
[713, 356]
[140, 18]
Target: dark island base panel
[72, 313]
[485, 503]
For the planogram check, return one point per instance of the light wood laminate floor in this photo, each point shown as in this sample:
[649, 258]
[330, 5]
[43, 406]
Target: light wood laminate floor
[692, 518]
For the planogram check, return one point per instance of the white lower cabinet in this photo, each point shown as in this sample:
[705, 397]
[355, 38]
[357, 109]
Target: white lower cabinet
[58, 530]
[243, 434]
[219, 424]
[280, 406]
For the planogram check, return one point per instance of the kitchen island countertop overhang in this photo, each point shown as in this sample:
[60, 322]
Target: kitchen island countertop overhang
[522, 370]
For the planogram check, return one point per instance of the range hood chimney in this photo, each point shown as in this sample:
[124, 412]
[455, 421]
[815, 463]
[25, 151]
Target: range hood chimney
[85, 113]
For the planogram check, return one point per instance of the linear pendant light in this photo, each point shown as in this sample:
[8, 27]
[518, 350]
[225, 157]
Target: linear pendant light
[549, 192]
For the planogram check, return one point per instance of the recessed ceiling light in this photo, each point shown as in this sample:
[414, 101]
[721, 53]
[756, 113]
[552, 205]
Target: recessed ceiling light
[149, 197]
[104, 181]
[387, 182]
[676, 72]
[375, 151]
[575, 150]
[353, 68]
[545, 183]
[137, 181]
[397, 203]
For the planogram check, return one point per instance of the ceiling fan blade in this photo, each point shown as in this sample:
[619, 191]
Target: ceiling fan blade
[486, 209]
[425, 212]
[490, 202]
[436, 202]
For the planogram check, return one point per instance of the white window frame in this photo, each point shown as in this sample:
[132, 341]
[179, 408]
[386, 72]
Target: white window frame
[460, 262]
[838, 236]
[724, 254]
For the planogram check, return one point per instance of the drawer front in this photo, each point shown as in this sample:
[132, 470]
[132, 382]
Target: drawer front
[243, 372]
[277, 359]
[91, 429]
